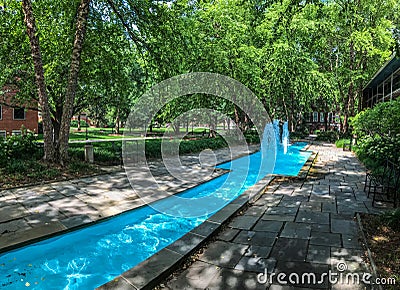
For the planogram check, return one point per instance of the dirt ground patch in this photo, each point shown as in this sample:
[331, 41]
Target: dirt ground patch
[384, 242]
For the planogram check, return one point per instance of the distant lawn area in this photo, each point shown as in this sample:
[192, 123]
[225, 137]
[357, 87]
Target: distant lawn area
[109, 133]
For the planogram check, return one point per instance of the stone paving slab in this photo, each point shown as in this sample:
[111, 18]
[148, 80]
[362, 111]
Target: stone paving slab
[244, 222]
[223, 254]
[266, 239]
[235, 280]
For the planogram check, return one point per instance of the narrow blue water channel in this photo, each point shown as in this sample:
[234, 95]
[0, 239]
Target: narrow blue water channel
[89, 257]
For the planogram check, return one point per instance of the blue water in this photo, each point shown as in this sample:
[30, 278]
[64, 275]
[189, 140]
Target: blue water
[89, 257]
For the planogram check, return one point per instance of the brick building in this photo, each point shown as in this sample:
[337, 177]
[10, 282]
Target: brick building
[317, 120]
[16, 116]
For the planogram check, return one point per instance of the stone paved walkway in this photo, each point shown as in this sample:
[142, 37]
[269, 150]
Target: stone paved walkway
[295, 227]
[32, 212]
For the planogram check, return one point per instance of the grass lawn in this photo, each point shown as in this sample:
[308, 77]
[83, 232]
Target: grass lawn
[109, 133]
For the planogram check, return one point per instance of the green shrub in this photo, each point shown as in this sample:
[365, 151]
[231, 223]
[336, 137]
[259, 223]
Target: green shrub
[195, 146]
[74, 123]
[382, 120]
[76, 151]
[76, 166]
[104, 152]
[252, 137]
[16, 166]
[339, 143]
[392, 218]
[329, 136]
[153, 147]
[107, 152]
[49, 173]
[298, 134]
[378, 134]
[18, 147]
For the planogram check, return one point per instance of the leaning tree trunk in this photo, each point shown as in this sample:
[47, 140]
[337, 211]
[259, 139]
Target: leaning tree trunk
[29, 19]
[83, 12]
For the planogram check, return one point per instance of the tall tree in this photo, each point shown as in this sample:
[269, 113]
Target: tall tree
[56, 145]
[49, 149]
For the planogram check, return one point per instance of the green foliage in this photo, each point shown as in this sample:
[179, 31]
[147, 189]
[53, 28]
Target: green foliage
[194, 146]
[107, 152]
[382, 120]
[79, 167]
[76, 151]
[375, 150]
[392, 218]
[153, 147]
[18, 147]
[339, 143]
[31, 169]
[378, 133]
[74, 123]
[329, 136]
[300, 134]
[104, 152]
[252, 137]
[294, 55]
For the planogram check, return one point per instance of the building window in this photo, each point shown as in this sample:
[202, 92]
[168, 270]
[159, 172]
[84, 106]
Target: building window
[396, 80]
[16, 132]
[3, 134]
[1, 112]
[315, 116]
[321, 117]
[19, 114]
[330, 117]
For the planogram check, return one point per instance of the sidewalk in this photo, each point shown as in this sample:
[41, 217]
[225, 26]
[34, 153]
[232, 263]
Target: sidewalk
[295, 227]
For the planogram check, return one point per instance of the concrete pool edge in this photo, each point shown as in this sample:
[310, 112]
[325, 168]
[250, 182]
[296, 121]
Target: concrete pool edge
[305, 169]
[159, 266]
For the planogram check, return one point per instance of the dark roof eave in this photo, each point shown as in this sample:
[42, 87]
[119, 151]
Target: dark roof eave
[391, 65]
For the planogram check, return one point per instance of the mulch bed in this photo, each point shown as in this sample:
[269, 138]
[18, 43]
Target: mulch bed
[50, 174]
[384, 243]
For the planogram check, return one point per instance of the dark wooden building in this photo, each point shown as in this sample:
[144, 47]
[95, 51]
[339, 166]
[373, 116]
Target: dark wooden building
[385, 84]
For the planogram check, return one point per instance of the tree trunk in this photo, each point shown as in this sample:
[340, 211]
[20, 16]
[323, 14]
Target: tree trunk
[291, 114]
[117, 122]
[237, 119]
[349, 103]
[79, 122]
[29, 19]
[83, 12]
[176, 126]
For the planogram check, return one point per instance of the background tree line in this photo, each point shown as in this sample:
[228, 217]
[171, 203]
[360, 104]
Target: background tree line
[98, 56]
